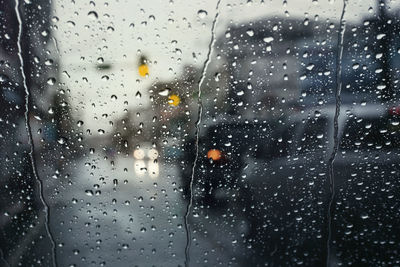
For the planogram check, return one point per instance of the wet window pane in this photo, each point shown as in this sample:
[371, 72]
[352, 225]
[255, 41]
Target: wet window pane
[200, 133]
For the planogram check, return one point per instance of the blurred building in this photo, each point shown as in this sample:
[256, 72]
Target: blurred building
[279, 65]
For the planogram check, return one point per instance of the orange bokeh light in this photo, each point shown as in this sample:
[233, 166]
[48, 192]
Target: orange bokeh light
[214, 154]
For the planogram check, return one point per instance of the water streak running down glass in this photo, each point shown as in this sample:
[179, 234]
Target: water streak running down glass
[200, 133]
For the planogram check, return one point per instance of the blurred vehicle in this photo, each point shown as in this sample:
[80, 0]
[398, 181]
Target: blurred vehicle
[145, 151]
[146, 160]
[290, 181]
[222, 148]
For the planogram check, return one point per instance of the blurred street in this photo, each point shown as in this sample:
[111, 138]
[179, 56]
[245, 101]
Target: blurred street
[119, 215]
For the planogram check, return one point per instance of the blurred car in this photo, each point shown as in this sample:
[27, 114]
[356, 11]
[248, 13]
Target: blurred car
[146, 160]
[290, 181]
[145, 151]
[222, 147]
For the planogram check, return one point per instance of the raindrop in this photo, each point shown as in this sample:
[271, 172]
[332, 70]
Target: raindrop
[381, 86]
[380, 36]
[202, 13]
[268, 39]
[48, 62]
[62, 140]
[93, 15]
[164, 92]
[3, 78]
[51, 81]
[250, 32]
[364, 216]
[71, 23]
[217, 76]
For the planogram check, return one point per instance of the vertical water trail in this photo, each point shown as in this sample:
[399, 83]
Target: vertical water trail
[55, 44]
[30, 140]
[341, 32]
[3, 259]
[197, 134]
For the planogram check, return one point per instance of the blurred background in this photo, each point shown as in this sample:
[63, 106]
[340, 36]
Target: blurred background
[168, 133]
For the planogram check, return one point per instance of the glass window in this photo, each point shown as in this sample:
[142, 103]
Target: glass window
[199, 133]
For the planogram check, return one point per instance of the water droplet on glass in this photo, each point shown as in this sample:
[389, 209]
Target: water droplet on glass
[48, 62]
[380, 36]
[268, 39]
[250, 32]
[71, 23]
[164, 92]
[3, 78]
[51, 81]
[93, 15]
[202, 13]
[62, 140]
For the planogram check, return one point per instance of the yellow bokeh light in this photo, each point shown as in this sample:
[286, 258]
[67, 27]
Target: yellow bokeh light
[143, 70]
[174, 100]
